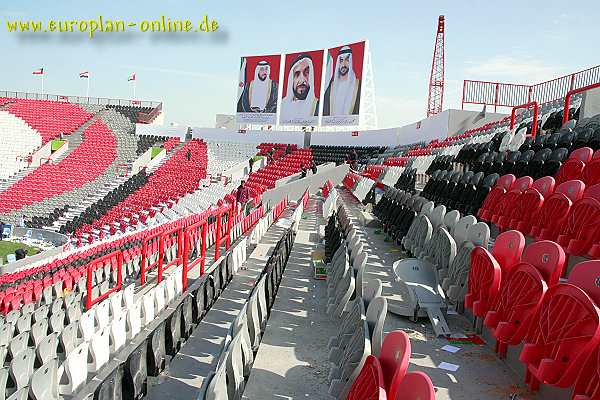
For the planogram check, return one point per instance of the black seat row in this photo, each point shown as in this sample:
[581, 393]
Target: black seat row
[339, 154]
[462, 191]
[441, 162]
[407, 180]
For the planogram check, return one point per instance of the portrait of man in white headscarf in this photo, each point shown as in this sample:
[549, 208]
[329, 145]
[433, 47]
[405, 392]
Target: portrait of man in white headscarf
[300, 101]
[342, 96]
[260, 94]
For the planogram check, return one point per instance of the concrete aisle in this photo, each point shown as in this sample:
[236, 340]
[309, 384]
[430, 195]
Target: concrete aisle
[291, 362]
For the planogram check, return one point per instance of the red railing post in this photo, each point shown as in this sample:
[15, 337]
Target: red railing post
[535, 106]
[161, 253]
[571, 93]
[189, 232]
[218, 235]
[204, 235]
[496, 97]
[229, 225]
[89, 302]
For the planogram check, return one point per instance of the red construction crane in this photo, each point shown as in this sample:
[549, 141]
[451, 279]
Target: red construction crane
[436, 80]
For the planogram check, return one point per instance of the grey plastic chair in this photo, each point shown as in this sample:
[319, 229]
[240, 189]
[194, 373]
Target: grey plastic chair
[47, 348]
[375, 318]
[44, 382]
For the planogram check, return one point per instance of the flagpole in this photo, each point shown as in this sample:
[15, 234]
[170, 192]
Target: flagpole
[134, 84]
[42, 82]
[87, 93]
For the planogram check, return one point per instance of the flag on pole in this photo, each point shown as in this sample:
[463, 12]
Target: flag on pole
[131, 77]
[39, 71]
[84, 74]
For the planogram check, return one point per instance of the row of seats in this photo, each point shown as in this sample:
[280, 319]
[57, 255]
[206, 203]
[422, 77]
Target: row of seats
[243, 339]
[339, 154]
[360, 309]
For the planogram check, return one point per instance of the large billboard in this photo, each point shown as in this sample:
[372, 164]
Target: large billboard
[301, 88]
[258, 89]
[341, 101]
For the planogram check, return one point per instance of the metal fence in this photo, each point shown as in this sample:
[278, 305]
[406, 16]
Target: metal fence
[103, 101]
[499, 94]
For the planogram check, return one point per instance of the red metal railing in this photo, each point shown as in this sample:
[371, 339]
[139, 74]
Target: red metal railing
[174, 237]
[251, 219]
[150, 243]
[499, 94]
[193, 234]
[112, 258]
[571, 93]
[279, 208]
[536, 109]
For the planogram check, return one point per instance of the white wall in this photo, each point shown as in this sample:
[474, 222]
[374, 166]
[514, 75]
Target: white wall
[227, 135]
[161, 130]
[142, 161]
[377, 137]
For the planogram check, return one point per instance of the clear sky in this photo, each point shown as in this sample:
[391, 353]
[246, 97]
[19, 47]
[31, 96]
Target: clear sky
[196, 75]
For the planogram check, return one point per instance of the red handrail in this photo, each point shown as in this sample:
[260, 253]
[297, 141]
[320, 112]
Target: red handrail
[536, 109]
[178, 231]
[145, 267]
[199, 231]
[118, 255]
[571, 93]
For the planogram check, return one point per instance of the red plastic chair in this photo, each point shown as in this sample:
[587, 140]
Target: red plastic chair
[547, 223]
[502, 186]
[394, 358]
[587, 385]
[369, 383]
[415, 386]
[564, 330]
[522, 291]
[582, 227]
[509, 201]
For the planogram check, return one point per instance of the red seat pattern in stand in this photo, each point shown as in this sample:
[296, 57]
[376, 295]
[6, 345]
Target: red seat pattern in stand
[369, 382]
[565, 330]
[509, 200]
[521, 293]
[503, 185]
[548, 222]
[350, 180]
[373, 171]
[289, 164]
[415, 386]
[84, 164]
[582, 225]
[172, 180]
[591, 173]
[529, 204]
[171, 143]
[49, 118]
[487, 269]
[573, 167]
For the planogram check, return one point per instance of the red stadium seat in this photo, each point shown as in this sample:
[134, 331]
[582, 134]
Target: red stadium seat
[394, 358]
[565, 330]
[415, 386]
[369, 383]
[521, 292]
[547, 223]
[503, 185]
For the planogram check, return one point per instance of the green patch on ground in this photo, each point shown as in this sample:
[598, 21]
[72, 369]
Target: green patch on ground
[56, 144]
[256, 158]
[10, 247]
[155, 151]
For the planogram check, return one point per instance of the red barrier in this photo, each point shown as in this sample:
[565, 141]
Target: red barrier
[305, 198]
[222, 231]
[192, 234]
[151, 242]
[252, 219]
[571, 93]
[172, 235]
[536, 109]
[115, 256]
[279, 208]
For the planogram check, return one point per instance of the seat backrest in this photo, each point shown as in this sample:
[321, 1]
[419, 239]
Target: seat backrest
[479, 234]
[427, 208]
[586, 276]
[506, 181]
[522, 183]
[461, 228]
[584, 154]
[450, 220]
[437, 216]
[375, 317]
[44, 382]
[394, 359]
[572, 189]
[369, 383]
[592, 192]
[415, 386]
[544, 185]
[508, 249]
[548, 258]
